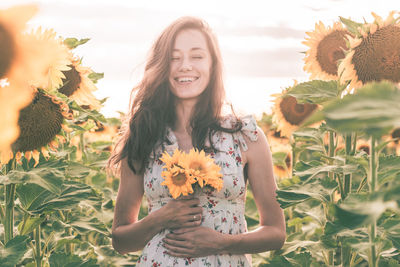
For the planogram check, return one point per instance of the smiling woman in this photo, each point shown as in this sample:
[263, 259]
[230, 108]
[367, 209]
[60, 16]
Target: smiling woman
[178, 107]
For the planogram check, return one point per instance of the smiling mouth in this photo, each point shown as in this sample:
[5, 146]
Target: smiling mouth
[185, 80]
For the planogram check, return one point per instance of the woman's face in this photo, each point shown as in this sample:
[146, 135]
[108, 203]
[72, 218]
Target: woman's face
[190, 65]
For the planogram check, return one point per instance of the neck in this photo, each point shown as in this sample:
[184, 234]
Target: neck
[183, 111]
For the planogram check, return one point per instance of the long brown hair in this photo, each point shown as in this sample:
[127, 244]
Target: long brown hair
[153, 107]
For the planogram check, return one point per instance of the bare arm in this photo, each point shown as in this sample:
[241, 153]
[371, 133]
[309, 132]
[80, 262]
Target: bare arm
[128, 233]
[272, 231]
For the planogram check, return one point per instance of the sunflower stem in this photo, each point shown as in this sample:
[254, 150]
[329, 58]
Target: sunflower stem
[347, 177]
[38, 254]
[8, 221]
[372, 188]
[293, 158]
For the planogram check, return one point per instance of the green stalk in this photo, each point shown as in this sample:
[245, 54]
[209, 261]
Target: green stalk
[9, 216]
[347, 177]
[372, 188]
[293, 158]
[8, 221]
[38, 252]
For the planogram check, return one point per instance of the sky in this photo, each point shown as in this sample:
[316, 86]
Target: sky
[260, 40]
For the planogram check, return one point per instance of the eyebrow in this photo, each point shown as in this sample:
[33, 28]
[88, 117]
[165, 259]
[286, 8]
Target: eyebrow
[193, 49]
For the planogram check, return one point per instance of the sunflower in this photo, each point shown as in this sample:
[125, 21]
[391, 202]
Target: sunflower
[15, 63]
[78, 86]
[275, 138]
[176, 178]
[55, 54]
[172, 161]
[327, 47]
[288, 115]
[393, 140]
[363, 145]
[282, 167]
[102, 132]
[202, 168]
[40, 123]
[374, 54]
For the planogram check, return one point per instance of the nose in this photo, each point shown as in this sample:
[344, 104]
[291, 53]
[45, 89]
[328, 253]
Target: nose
[186, 65]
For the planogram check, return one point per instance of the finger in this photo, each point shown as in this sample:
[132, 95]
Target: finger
[178, 233]
[188, 224]
[176, 251]
[180, 255]
[195, 210]
[182, 243]
[193, 217]
[193, 202]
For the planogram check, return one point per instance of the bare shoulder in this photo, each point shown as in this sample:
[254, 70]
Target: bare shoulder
[256, 148]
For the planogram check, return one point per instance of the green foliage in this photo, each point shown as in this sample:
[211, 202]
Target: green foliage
[373, 109]
[74, 42]
[315, 92]
[12, 253]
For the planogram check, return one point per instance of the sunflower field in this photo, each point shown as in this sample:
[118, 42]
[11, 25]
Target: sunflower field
[334, 140]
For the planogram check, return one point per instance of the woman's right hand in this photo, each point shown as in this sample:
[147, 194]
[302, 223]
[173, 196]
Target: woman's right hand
[182, 212]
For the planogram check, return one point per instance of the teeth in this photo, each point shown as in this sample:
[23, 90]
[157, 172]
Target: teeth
[186, 79]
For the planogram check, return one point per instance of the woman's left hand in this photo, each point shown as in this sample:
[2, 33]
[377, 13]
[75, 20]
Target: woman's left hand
[193, 242]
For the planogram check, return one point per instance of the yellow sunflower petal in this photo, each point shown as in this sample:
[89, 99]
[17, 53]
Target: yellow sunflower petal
[288, 115]
[78, 86]
[326, 47]
[57, 57]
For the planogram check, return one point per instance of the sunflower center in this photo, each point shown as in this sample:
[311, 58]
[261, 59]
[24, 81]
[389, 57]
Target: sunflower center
[364, 148]
[71, 82]
[179, 179]
[197, 165]
[295, 113]
[330, 50]
[39, 122]
[6, 51]
[378, 56]
[396, 134]
[287, 163]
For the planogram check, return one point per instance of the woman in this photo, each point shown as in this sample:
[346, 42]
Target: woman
[178, 105]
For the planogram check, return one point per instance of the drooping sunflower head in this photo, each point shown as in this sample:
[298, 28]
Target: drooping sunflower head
[288, 115]
[326, 48]
[40, 124]
[78, 86]
[374, 55]
[179, 182]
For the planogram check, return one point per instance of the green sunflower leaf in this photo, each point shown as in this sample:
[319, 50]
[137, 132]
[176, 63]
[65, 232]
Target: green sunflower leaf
[59, 259]
[95, 76]
[73, 42]
[373, 109]
[358, 210]
[13, 251]
[48, 175]
[315, 92]
[351, 26]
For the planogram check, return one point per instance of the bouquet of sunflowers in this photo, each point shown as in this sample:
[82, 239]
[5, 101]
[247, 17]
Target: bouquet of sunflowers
[184, 170]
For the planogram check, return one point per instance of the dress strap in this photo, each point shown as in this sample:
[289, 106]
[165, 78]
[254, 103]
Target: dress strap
[249, 129]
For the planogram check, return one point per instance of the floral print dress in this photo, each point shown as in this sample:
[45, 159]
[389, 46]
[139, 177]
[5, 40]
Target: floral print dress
[223, 211]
